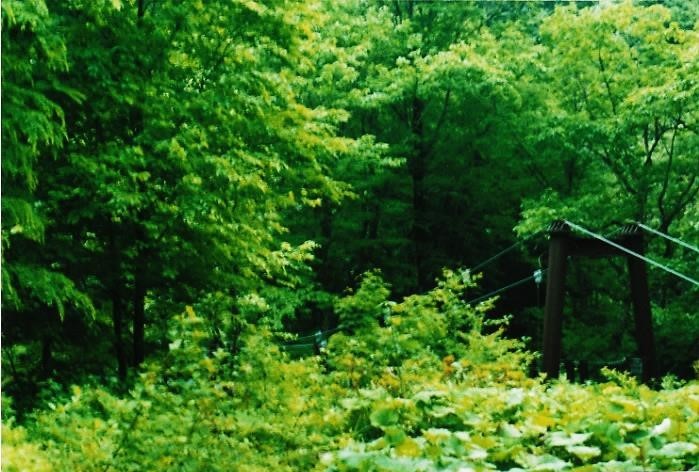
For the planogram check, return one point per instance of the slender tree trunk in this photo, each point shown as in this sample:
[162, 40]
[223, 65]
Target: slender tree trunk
[140, 11]
[370, 230]
[118, 322]
[418, 171]
[669, 248]
[46, 356]
[139, 317]
[419, 232]
[117, 304]
[139, 291]
[325, 272]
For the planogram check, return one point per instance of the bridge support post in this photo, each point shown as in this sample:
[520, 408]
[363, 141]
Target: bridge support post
[555, 297]
[641, 304]
[561, 245]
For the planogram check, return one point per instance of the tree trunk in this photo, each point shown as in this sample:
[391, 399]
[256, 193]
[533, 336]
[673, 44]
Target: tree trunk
[139, 318]
[46, 356]
[326, 275]
[669, 248]
[118, 320]
[117, 303]
[370, 230]
[418, 171]
[139, 293]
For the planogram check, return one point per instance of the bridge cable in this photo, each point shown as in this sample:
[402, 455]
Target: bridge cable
[667, 236]
[503, 252]
[635, 254]
[297, 346]
[317, 334]
[536, 275]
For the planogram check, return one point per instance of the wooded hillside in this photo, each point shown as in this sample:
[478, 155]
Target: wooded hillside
[313, 235]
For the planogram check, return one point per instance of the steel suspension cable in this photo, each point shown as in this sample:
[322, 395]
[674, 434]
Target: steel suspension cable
[629, 251]
[297, 346]
[507, 287]
[667, 236]
[503, 252]
[317, 334]
[318, 337]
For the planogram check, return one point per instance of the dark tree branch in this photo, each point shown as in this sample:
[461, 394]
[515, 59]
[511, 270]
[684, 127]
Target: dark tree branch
[399, 111]
[538, 174]
[616, 170]
[649, 148]
[607, 84]
[666, 180]
[687, 196]
[224, 44]
[440, 122]
[658, 133]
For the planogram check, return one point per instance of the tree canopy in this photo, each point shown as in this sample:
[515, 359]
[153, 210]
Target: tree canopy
[330, 214]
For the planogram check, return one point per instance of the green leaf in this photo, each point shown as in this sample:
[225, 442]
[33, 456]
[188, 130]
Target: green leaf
[559, 438]
[384, 417]
[584, 453]
[675, 450]
[662, 428]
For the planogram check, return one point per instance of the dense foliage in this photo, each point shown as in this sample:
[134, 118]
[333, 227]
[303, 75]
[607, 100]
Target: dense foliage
[276, 167]
[382, 400]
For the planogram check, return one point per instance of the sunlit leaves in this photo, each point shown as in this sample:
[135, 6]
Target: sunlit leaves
[209, 410]
[625, 92]
[486, 433]
[167, 140]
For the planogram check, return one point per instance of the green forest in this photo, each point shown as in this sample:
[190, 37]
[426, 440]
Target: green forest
[315, 235]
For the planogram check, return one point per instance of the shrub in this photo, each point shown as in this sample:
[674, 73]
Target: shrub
[422, 384]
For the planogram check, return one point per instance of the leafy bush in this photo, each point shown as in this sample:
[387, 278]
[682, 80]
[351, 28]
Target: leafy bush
[613, 426]
[19, 454]
[196, 410]
[434, 388]
[423, 335]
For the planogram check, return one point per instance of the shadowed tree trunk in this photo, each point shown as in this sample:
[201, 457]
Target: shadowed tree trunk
[46, 356]
[418, 169]
[139, 316]
[117, 293]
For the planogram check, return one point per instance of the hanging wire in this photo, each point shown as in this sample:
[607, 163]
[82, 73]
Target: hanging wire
[613, 363]
[629, 251]
[297, 346]
[503, 252]
[318, 333]
[538, 273]
[667, 236]
[537, 276]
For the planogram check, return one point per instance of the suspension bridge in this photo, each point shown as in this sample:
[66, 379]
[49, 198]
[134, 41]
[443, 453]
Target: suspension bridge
[568, 239]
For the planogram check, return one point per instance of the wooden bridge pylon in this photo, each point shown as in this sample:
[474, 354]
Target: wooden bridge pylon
[563, 244]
